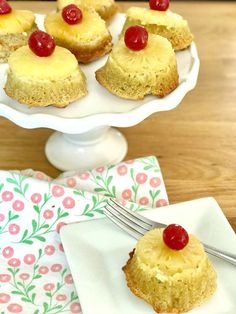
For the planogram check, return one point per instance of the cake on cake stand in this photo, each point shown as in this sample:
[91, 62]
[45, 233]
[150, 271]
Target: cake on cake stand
[85, 137]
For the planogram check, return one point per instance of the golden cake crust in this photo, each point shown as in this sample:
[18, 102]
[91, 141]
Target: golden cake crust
[172, 288]
[167, 24]
[86, 54]
[107, 12]
[132, 75]
[45, 93]
[133, 90]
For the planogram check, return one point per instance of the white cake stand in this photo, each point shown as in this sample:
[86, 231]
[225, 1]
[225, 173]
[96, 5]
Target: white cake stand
[84, 137]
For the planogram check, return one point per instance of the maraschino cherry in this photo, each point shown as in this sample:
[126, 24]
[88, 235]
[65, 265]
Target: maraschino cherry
[175, 237]
[71, 14]
[159, 5]
[5, 8]
[136, 37]
[41, 43]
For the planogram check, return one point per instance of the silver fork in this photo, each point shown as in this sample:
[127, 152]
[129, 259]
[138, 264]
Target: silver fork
[137, 225]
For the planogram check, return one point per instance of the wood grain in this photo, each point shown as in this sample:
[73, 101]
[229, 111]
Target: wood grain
[196, 142]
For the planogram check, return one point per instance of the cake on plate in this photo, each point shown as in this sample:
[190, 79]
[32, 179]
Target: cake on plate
[170, 270]
[140, 64]
[15, 28]
[105, 8]
[164, 23]
[81, 30]
[43, 74]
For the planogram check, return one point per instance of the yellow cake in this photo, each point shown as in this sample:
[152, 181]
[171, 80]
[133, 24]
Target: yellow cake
[164, 23]
[42, 81]
[105, 8]
[170, 280]
[87, 40]
[134, 74]
[15, 28]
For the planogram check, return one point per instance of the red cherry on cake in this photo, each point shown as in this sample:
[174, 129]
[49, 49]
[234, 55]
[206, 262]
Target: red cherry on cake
[41, 43]
[136, 37]
[175, 237]
[159, 5]
[72, 14]
[5, 8]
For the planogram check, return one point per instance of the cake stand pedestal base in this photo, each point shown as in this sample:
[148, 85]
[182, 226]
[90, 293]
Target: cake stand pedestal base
[98, 147]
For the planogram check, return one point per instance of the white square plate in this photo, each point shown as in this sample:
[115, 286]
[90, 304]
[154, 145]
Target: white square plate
[96, 251]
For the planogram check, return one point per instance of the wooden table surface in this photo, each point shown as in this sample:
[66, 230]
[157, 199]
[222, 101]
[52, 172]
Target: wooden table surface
[196, 142]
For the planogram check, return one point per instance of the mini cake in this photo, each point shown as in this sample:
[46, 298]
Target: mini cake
[82, 31]
[170, 270]
[140, 64]
[43, 74]
[105, 8]
[15, 28]
[164, 23]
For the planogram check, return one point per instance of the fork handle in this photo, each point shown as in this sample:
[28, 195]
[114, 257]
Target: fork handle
[230, 258]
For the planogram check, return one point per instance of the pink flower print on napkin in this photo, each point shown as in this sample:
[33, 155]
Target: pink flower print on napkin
[34, 275]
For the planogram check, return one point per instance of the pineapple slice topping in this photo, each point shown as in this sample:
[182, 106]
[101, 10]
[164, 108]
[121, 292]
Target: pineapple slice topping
[147, 16]
[156, 55]
[152, 252]
[91, 28]
[18, 21]
[59, 65]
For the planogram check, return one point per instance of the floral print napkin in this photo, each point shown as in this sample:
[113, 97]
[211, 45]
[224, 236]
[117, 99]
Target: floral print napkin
[34, 274]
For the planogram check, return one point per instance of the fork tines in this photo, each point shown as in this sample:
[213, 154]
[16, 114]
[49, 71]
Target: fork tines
[130, 221]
